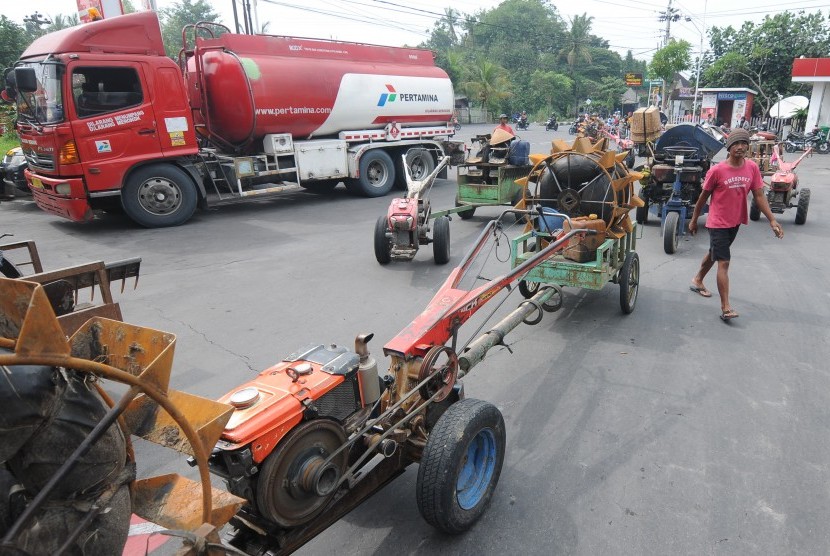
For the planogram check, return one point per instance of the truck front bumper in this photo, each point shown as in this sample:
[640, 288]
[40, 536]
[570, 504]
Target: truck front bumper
[74, 206]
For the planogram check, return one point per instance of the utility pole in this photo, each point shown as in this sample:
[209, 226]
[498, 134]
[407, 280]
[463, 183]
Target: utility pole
[671, 14]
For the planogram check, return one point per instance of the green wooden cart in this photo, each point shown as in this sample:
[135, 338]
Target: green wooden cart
[486, 184]
[616, 261]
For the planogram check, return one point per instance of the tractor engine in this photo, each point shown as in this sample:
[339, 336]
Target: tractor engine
[280, 448]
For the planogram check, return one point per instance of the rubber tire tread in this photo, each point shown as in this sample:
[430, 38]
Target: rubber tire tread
[444, 452]
[626, 304]
[189, 196]
[670, 232]
[465, 214]
[362, 187]
[441, 240]
[803, 205]
[383, 249]
[400, 173]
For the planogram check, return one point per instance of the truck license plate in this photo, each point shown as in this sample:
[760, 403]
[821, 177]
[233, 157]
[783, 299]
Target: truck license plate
[36, 183]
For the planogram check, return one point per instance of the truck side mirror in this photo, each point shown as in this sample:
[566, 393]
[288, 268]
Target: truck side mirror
[26, 79]
[9, 85]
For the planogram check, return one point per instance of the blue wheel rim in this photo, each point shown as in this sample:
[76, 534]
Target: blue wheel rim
[477, 470]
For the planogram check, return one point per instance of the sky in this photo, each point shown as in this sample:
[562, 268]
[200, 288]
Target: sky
[625, 24]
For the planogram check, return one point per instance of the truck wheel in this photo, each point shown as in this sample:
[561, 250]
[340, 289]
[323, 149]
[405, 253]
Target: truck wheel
[441, 240]
[754, 211]
[383, 245]
[420, 162]
[460, 465]
[630, 281]
[377, 174]
[670, 232]
[159, 195]
[803, 205]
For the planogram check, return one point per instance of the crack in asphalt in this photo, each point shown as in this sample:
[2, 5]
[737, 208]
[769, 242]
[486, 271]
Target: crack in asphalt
[245, 359]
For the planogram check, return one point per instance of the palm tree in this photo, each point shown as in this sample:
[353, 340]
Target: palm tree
[451, 18]
[577, 48]
[487, 82]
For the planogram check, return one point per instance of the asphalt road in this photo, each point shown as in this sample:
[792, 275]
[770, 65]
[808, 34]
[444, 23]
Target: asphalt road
[661, 432]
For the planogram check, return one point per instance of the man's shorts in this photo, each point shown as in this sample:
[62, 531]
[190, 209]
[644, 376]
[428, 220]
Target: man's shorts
[720, 239]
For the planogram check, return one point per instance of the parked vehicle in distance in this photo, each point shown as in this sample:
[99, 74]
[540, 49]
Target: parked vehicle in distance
[11, 169]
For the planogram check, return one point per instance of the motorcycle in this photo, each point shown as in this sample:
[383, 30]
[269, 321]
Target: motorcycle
[551, 124]
[573, 129]
[455, 123]
[523, 124]
[796, 141]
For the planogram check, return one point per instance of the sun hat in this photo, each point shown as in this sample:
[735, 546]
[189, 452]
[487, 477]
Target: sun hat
[735, 136]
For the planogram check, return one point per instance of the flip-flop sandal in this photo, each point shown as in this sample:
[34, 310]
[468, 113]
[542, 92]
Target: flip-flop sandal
[726, 316]
[701, 291]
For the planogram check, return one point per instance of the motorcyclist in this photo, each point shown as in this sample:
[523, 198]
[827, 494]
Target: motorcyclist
[522, 123]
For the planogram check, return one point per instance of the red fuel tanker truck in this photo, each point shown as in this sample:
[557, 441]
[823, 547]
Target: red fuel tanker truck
[108, 122]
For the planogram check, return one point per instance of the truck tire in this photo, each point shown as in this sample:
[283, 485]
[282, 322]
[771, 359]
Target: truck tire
[803, 205]
[420, 162]
[460, 465]
[377, 175]
[159, 195]
[441, 240]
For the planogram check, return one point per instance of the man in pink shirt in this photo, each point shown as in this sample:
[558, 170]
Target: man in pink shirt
[728, 183]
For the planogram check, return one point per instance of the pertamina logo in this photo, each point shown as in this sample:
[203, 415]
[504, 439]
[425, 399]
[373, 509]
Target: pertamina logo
[393, 95]
[390, 96]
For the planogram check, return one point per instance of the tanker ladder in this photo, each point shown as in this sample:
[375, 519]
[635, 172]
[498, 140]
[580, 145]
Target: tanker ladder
[235, 177]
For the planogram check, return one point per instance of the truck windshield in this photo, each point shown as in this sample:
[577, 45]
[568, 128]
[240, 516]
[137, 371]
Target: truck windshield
[44, 106]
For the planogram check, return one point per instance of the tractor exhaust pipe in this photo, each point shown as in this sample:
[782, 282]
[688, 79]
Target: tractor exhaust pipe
[474, 353]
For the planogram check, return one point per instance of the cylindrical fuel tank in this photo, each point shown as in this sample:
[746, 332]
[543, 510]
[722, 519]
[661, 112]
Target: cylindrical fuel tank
[254, 85]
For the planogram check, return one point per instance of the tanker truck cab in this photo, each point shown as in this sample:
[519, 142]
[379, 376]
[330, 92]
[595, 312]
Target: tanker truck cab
[91, 124]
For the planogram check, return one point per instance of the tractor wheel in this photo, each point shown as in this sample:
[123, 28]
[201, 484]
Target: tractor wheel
[159, 195]
[321, 187]
[441, 240]
[460, 465]
[630, 159]
[630, 281]
[671, 235]
[803, 205]
[377, 175]
[295, 484]
[420, 162]
[754, 211]
[528, 289]
[383, 245]
[465, 214]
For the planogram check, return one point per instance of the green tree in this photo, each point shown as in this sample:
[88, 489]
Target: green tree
[668, 61]
[609, 92]
[553, 90]
[174, 18]
[488, 83]
[576, 49]
[760, 56]
[13, 41]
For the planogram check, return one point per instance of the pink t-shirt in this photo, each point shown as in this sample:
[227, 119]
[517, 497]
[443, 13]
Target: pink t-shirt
[729, 186]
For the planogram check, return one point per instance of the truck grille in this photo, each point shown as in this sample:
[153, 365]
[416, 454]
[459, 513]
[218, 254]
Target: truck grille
[42, 161]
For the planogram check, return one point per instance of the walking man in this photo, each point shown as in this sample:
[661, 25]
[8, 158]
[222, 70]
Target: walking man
[727, 184]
